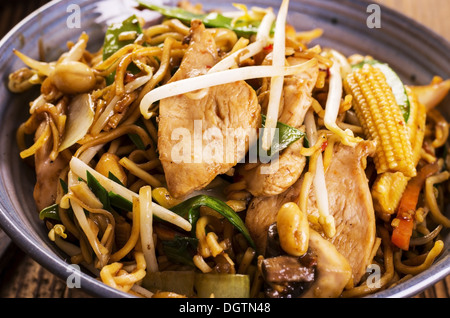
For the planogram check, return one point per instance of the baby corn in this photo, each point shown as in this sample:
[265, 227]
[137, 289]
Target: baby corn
[388, 188]
[381, 119]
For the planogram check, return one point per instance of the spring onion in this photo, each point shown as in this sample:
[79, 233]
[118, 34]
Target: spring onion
[50, 212]
[190, 209]
[86, 196]
[80, 168]
[181, 249]
[99, 191]
[286, 136]
[99, 250]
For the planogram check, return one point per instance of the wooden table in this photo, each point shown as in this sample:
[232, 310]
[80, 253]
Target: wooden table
[21, 276]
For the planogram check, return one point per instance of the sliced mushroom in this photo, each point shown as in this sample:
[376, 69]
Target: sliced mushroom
[286, 276]
[333, 269]
[286, 268]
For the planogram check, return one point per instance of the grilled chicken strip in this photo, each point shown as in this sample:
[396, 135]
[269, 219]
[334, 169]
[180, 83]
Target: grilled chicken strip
[263, 211]
[273, 178]
[224, 111]
[350, 204]
[47, 172]
[290, 164]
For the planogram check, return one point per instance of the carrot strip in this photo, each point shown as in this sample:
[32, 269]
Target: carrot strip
[407, 206]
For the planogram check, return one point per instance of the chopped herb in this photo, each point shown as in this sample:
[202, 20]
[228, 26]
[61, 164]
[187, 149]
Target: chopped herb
[181, 249]
[50, 212]
[99, 191]
[191, 209]
[286, 136]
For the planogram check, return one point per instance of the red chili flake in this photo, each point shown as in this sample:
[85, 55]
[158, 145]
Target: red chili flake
[269, 48]
[129, 77]
[324, 145]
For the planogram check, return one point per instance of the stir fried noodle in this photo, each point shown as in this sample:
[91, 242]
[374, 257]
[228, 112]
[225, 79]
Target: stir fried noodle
[340, 191]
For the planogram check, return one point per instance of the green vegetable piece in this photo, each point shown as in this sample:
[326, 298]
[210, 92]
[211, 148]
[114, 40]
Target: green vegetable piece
[120, 202]
[100, 192]
[180, 282]
[64, 186]
[50, 212]
[394, 82]
[108, 199]
[191, 210]
[112, 177]
[181, 250]
[222, 285]
[212, 20]
[135, 138]
[117, 200]
[286, 136]
[112, 43]
[137, 141]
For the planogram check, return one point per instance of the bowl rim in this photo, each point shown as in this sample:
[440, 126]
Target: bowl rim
[40, 254]
[93, 287]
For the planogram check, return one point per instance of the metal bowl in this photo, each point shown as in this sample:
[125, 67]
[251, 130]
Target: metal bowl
[414, 51]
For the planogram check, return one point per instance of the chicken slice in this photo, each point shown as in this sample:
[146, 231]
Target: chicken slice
[297, 92]
[47, 172]
[350, 204]
[262, 212]
[290, 164]
[268, 179]
[214, 121]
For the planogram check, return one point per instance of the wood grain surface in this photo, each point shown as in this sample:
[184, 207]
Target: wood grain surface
[22, 277]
